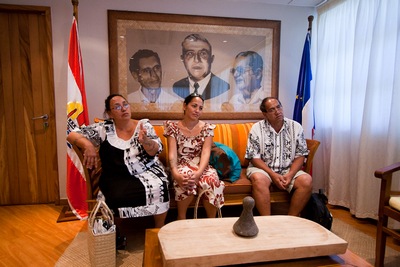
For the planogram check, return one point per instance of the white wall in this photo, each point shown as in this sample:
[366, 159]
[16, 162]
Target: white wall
[94, 45]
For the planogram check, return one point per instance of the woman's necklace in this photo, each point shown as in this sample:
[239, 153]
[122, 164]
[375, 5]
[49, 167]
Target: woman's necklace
[190, 130]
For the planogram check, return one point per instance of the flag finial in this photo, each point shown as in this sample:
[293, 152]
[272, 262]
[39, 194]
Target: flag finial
[75, 4]
[310, 20]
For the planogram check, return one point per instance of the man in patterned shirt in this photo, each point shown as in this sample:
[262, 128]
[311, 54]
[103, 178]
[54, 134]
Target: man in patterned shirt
[276, 148]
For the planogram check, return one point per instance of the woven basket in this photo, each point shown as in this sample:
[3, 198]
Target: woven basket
[102, 250]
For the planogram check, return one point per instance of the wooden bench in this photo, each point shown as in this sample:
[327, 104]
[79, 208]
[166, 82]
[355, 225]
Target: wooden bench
[233, 135]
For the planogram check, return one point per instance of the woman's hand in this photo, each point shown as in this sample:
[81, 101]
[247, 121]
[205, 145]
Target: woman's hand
[90, 156]
[143, 138]
[185, 180]
[181, 179]
[149, 144]
[194, 179]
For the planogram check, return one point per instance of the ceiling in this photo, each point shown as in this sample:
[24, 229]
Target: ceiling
[304, 3]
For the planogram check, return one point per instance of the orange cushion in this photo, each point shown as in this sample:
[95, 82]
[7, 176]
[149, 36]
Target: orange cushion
[233, 135]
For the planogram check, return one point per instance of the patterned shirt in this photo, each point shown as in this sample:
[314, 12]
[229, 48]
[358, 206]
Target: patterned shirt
[135, 157]
[277, 150]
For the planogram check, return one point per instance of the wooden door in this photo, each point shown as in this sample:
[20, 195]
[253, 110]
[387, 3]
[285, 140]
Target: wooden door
[28, 148]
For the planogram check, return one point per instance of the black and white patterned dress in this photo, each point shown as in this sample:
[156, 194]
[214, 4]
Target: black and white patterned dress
[133, 183]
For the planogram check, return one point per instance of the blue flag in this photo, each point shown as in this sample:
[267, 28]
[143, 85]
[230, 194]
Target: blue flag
[302, 113]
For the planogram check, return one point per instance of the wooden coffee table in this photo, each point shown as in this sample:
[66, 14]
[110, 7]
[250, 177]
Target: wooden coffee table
[212, 242]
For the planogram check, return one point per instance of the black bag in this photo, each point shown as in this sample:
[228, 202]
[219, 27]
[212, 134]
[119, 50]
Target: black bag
[317, 211]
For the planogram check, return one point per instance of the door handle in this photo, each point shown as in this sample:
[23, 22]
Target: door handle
[44, 117]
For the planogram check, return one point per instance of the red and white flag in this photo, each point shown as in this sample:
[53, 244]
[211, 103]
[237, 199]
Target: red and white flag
[77, 115]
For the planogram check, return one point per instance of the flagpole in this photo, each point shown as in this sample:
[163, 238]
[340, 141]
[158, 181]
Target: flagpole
[310, 20]
[77, 115]
[75, 4]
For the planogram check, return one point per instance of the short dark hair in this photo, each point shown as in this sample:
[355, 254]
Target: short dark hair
[142, 53]
[196, 37]
[262, 105]
[108, 100]
[189, 98]
[255, 62]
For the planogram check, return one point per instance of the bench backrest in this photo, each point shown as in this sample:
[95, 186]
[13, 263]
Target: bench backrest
[232, 135]
[235, 136]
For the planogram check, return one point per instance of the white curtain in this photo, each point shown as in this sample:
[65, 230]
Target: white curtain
[356, 99]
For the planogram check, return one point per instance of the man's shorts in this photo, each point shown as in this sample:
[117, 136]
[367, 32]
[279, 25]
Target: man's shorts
[251, 170]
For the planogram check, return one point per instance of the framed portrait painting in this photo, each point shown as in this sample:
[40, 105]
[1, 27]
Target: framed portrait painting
[156, 60]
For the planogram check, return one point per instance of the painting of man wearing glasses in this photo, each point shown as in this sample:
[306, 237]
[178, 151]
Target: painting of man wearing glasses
[197, 58]
[247, 73]
[145, 68]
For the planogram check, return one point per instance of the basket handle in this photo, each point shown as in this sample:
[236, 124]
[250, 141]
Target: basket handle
[196, 206]
[96, 209]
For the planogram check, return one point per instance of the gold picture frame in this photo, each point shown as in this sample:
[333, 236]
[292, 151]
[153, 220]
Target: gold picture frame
[163, 33]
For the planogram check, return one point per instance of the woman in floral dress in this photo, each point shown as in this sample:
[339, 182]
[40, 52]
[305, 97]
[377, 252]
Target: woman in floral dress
[189, 145]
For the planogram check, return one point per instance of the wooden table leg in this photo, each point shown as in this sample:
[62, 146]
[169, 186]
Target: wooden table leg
[152, 252]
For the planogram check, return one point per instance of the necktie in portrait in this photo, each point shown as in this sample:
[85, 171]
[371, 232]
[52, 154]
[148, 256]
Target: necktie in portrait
[196, 86]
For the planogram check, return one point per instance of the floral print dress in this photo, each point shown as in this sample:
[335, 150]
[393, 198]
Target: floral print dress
[188, 159]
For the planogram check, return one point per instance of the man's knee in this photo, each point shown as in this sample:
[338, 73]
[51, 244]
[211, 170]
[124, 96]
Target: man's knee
[304, 181]
[260, 181]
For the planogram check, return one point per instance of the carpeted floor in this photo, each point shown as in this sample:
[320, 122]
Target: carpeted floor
[359, 243]
[363, 245]
[77, 254]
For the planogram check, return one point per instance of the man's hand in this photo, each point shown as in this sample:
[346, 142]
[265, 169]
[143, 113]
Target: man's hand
[280, 181]
[287, 178]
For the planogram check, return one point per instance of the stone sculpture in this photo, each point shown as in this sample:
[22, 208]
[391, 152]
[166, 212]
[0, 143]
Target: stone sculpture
[245, 226]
